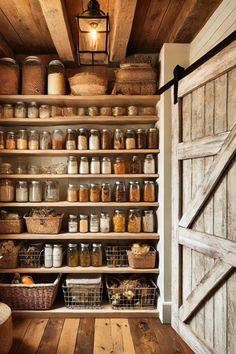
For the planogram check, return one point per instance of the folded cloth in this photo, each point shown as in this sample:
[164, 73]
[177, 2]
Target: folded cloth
[84, 279]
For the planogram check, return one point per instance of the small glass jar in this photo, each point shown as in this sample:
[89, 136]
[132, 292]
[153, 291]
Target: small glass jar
[20, 110]
[21, 140]
[73, 223]
[6, 168]
[149, 164]
[153, 138]
[135, 165]
[33, 76]
[106, 139]
[32, 111]
[83, 223]
[7, 190]
[94, 143]
[134, 191]
[2, 140]
[106, 192]
[83, 193]
[69, 111]
[119, 139]
[94, 223]
[10, 141]
[72, 255]
[44, 111]
[119, 221]
[55, 111]
[132, 110]
[35, 191]
[33, 169]
[120, 192]
[119, 166]
[71, 139]
[94, 194]
[149, 191]
[84, 255]
[72, 193]
[21, 191]
[134, 221]
[118, 111]
[82, 111]
[130, 143]
[72, 165]
[105, 222]
[57, 139]
[51, 191]
[82, 140]
[141, 139]
[45, 140]
[33, 143]
[96, 255]
[56, 78]
[95, 166]
[9, 76]
[57, 255]
[105, 111]
[93, 111]
[84, 166]
[148, 221]
[20, 168]
[106, 166]
[8, 111]
[48, 255]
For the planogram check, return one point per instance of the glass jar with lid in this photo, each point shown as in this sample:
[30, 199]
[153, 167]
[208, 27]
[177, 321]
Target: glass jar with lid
[21, 191]
[8, 111]
[44, 111]
[84, 166]
[73, 223]
[33, 142]
[149, 164]
[81, 111]
[119, 221]
[94, 223]
[153, 138]
[7, 190]
[134, 191]
[119, 139]
[21, 139]
[72, 165]
[9, 76]
[83, 193]
[96, 255]
[106, 139]
[95, 166]
[33, 76]
[72, 255]
[93, 111]
[20, 110]
[135, 165]
[83, 223]
[45, 140]
[149, 191]
[148, 221]
[130, 142]
[72, 193]
[104, 222]
[2, 140]
[94, 139]
[134, 220]
[105, 111]
[57, 139]
[94, 194]
[51, 191]
[35, 191]
[6, 168]
[11, 141]
[119, 166]
[48, 255]
[82, 140]
[20, 167]
[71, 139]
[141, 139]
[84, 255]
[56, 78]
[106, 192]
[57, 255]
[120, 192]
[32, 110]
[132, 110]
[106, 165]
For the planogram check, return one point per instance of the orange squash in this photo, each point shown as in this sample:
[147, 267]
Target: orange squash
[27, 280]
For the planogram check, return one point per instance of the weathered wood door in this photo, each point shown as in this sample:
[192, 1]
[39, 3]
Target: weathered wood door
[204, 206]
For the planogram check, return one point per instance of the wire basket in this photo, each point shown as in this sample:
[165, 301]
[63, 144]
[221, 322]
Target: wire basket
[83, 297]
[116, 256]
[31, 259]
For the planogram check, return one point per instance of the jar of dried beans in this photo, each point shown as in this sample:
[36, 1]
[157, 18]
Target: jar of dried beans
[21, 139]
[33, 76]
[72, 255]
[94, 223]
[106, 192]
[119, 166]
[119, 221]
[134, 221]
[82, 141]
[134, 191]
[148, 221]
[84, 255]
[96, 255]
[149, 191]
[149, 164]
[104, 222]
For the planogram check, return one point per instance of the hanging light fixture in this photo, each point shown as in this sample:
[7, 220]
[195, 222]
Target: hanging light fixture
[92, 35]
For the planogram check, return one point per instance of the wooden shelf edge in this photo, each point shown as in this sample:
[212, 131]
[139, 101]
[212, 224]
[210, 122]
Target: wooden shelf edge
[77, 152]
[80, 176]
[79, 204]
[86, 270]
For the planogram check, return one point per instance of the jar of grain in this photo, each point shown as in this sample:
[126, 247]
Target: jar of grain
[72, 165]
[119, 139]
[9, 76]
[141, 139]
[92, 111]
[120, 192]
[35, 191]
[10, 141]
[134, 221]
[45, 140]
[94, 223]
[71, 139]
[6, 168]
[83, 193]
[104, 222]
[130, 139]
[134, 191]
[106, 165]
[105, 111]
[82, 141]
[48, 256]
[94, 194]
[82, 111]
[69, 111]
[57, 139]
[2, 140]
[148, 221]
[56, 78]
[51, 191]
[20, 110]
[149, 164]
[153, 139]
[95, 166]
[135, 165]
[7, 191]
[96, 255]
[8, 111]
[94, 141]
[119, 221]
[72, 255]
[33, 111]
[21, 191]
[84, 255]
[57, 255]
[132, 110]
[119, 166]
[83, 223]
[33, 76]
[84, 166]
[72, 193]
[44, 111]
[106, 192]
[149, 191]
[118, 111]
[33, 143]
[73, 223]
[106, 139]
[21, 140]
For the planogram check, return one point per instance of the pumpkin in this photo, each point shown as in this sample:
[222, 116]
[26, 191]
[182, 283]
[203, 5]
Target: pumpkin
[27, 280]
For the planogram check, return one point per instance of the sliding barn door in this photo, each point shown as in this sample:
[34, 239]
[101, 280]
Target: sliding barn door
[204, 206]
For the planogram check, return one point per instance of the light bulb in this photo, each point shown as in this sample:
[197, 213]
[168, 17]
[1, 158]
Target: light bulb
[94, 39]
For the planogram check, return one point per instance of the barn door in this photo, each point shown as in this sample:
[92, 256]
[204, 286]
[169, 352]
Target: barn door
[204, 206]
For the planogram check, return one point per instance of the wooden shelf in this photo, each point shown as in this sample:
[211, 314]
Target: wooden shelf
[80, 204]
[77, 176]
[77, 152]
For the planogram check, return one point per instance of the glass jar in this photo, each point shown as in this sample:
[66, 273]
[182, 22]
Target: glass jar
[8, 111]
[21, 140]
[95, 166]
[134, 191]
[84, 255]
[10, 141]
[21, 191]
[73, 223]
[135, 165]
[104, 222]
[153, 139]
[96, 255]
[6, 168]
[72, 193]
[20, 168]
[57, 139]
[82, 140]
[149, 191]
[106, 139]
[94, 194]
[20, 110]
[33, 169]
[84, 166]
[94, 223]
[119, 166]
[72, 165]
[105, 111]
[35, 191]
[132, 110]
[94, 143]
[82, 111]
[118, 111]
[106, 166]
[56, 78]
[106, 192]
[45, 140]
[32, 111]
[71, 139]
[119, 139]
[2, 140]
[48, 256]
[134, 221]
[7, 191]
[51, 191]
[72, 255]
[83, 223]
[120, 192]
[149, 164]
[33, 142]
[57, 256]
[130, 139]
[119, 221]
[33, 76]
[44, 111]
[148, 221]
[56, 111]
[84, 193]
[92, 111]
[9, 76]
[69, 111]
[141, 139]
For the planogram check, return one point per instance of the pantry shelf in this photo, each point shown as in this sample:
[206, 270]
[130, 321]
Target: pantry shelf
[80, 176]
[77, 152]
[80, 204]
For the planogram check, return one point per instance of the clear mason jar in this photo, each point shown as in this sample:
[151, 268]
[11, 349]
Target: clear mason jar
[57, 139]
[93, 111]
[149, 164]
[94, 139]
[106, 139]
[35, 191]
[106, 166]
[84, 255]
[95, 166]
[6, 168]
[45, 140]
[71, 139]
[73, 225]
[94, 193]
[44, 111]
[120, 192]
[9, 76]
[21, 139]
[104, 222]
[119, 222]
[56, 78]
[106, 192]
[135, 165]
[2, 140]
[57, 255]
[134, 221]
[21, 191]
[33, 76]
[20, 110]
[84, 166]
[94, 223]
[72, 165]
[51, 191]
[134, 191]
[119, 139]
[32, 110]
[149, 191]
[96, 255]
[72, 193]
[83, 223]
[148, 221]
[33, 140]
[153, 138]
[83, 193]
[8, 111]
[141, 139]
[20, 167]
[7, 190]
[130, 142]
[72, 255]
[11, 141]
[119, 166]
[82, 140]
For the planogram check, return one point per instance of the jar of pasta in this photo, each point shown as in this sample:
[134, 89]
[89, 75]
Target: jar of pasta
[21, 139]
[94, 223]
[83, 223]
[33, 143]
[119, 139]
[84, 255]
[56, 78]
[106, 165]
[57, 139]
[51, 191]
[72, 165]
[95, 192]
[106, 192]
[96, 255]
[148, 221]
[149, 164]
[94, 143]
[7, 191]
[82, 141]
[119, 166]
[134, 221]
[84, 166]
[2, 140]
[141, 139]
[135, 165]
[149, 191]
[153, 139]
[45, 140]
[8, 110]
[106, 138]
[130, 139]
[21, 191]
[134, 191]
[32, 111]
[72, 255]
[20, 110]
[119, 221]
[83, 193]
[44, 111]
[9, 76]
[33, 76]
[71, 139]
[35, 191]
[120, 191]
[104, 222]
[72, 193]
[95, 166]
[10, 141]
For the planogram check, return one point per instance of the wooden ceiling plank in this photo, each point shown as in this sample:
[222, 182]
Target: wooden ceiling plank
[73, 8]
[8, 31]
[56, 18]
[4, 48]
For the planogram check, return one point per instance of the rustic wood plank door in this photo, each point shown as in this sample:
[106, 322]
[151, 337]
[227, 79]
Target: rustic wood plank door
[204, 206]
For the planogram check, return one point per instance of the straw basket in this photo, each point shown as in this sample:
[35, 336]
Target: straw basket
[11, 226]
[47, 225]
[9, 259]
[142, 261]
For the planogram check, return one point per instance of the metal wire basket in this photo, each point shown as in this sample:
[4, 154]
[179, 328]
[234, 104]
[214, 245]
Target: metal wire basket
[116, 256]
[31, 259]
[86, 297]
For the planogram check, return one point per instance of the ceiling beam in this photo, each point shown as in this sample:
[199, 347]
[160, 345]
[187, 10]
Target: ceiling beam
[4, 48]
[121, 19]
[55, 15]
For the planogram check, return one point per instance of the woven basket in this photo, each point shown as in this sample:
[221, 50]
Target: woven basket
[10, 260]
[147, 87]
[142, 262]
[31, 297]
[11, 226]
[47, 225]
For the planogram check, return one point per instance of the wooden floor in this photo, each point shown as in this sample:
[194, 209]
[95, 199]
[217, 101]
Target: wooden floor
[95, 336]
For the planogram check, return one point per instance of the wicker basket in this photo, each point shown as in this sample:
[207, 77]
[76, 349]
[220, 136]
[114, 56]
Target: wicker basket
[31, 297]
[47, 225]
[10, 259]
[142, 262]
[11, 226]
[145, 87]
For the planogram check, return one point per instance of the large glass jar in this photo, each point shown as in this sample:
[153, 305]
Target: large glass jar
[33, 76]
[149, 164]
[45, 140]
[33, 142]
[141, 139]
[134, 220]
[84, 255]
[7, 191]
[119, 139]
[6, 168]
[71, 139]
[35, 191]
[32, 111]
[119, 166]
[134, 191]
[104, 222]
[21, 139]
[72, 193]
[10, 141]
[73, 223]
[9, 76]
[57, 255]
[95, 192]
[56, 78]
[106, 139]
[135, 165]
[148, 221]
[94, 223]
[83, 223]
[82, 141]
[149, 191]
[119, 221]
[2, 140]
[72, 255]
[20, 110]
[130, 139]
[84, 166]
[57, 139]
[120, 192]
[44, 111]
[72, 165]
[51, 191]
[153, 139]
[94, 139]
[96, 255]
[106, 192]
[20, 167]
[83, 193]
[106, 165]
[21, 191]
[95, 166]
[8, 111]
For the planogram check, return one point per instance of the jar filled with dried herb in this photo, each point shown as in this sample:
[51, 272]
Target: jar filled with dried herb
[119, 139]
[106, 139]
[84, 255]
[95, 192]
[120, 192]
[106, 192]
[72, 255]
[96, 255]
[135, 165]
